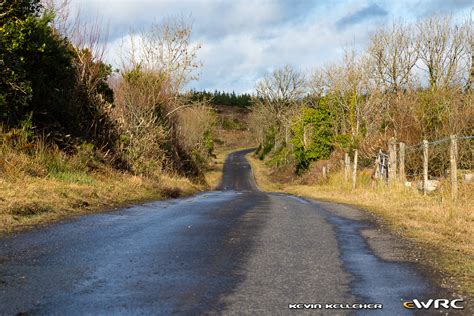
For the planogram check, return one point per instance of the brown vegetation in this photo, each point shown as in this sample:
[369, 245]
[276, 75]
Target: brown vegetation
[41, 183]
[138, 136]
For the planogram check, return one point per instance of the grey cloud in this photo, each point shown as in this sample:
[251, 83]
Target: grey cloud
[259, 17]
[424, 8]
[212, 19]
[453, 4]
[361, 15]
[242, 40]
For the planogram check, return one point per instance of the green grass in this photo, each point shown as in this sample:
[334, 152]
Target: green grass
[78, 177]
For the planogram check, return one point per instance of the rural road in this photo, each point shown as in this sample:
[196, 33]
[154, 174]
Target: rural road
[232, 251]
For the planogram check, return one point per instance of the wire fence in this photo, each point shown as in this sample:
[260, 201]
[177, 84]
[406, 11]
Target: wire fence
[450, 157]
[419, 165]
[438, 157]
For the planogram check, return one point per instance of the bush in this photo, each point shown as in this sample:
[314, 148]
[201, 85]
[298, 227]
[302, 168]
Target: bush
[313, 136]
[42, 80]
[283, 157]
[37, 74]
[267, 145]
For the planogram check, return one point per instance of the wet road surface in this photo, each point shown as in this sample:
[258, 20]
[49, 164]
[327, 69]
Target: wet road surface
[232, 251]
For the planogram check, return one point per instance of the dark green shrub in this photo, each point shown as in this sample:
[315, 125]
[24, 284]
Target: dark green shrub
[316, 122]
[39, 79]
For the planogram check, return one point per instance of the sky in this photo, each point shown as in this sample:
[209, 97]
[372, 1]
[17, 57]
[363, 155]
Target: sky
[242, 40]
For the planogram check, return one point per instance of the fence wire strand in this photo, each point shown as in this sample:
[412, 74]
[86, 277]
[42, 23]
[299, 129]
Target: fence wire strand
[438, 158]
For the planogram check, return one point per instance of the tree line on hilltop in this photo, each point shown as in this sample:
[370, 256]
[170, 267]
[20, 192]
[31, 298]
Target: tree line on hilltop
[243, 100]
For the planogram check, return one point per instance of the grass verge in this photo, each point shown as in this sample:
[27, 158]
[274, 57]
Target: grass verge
[443, 229]
[29, 201]
[40, 184]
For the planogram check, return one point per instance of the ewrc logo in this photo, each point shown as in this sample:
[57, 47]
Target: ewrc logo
[436, 304]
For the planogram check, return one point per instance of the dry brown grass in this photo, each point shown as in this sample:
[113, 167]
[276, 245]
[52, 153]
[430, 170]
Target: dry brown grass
[235, 134]
[444, 229]
[29, 201]
[215, 170]
[39, 184]
[227, 139]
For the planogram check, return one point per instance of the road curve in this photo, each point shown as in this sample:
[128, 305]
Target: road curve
[232, 251]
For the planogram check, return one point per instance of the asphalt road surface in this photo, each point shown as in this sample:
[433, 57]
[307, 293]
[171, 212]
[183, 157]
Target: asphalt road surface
[232, 251]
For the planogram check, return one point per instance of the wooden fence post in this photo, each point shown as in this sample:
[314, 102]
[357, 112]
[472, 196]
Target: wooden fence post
[392, 162]
[305, 136]
[454, 168]
[347, 166]
[324, 173]
[425, 166]
[354, 173]
[377, 167]
[375, 175]
[384, 171]
[401, 163]
[275, 142]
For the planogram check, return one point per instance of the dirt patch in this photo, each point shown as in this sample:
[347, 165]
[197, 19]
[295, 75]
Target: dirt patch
[283, 175]
[232, 129]
[29, 209]
[172, 193]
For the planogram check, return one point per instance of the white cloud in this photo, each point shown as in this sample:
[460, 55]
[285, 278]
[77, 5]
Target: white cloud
[241, 40]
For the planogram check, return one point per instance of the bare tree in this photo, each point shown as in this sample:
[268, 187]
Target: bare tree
[89, 40]
[318, 83]
[166, 48]
[284, 84]
[281, 91]
[142, 132]
[63, 21]
[348, 84]
[164, 52]
[151, 110]
[393, 53]
[279, 98]
[444, 51]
